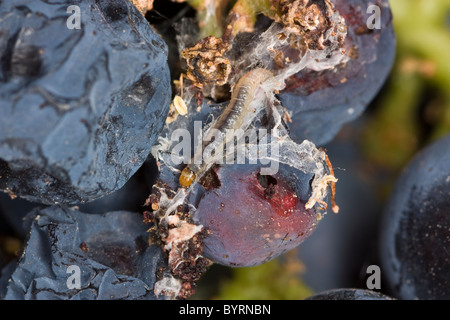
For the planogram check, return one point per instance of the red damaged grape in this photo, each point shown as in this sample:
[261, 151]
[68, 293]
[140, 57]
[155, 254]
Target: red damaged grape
[253, 218]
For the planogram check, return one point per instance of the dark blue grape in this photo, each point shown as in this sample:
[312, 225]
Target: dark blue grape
[15, 210]
[321, 102]
[414, 235]
[111, 250]
[131, 197]
[80, 108]
[349, 294]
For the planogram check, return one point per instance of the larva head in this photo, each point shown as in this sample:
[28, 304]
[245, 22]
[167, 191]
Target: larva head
[187, 177]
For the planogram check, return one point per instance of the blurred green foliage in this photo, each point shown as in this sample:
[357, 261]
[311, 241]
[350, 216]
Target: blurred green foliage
[278, 279]
[414, 107]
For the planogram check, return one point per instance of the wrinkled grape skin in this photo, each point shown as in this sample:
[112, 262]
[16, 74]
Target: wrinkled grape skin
[116, 262]
[414, 235]
[80, 108]
[321, 102]
[246, 228]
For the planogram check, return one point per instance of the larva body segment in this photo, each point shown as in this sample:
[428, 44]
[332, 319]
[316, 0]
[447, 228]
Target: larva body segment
[232, 118]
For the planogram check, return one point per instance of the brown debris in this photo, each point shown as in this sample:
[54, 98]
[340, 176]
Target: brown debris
[319, 189]
[184, 244]
[84, 247]
[143, 5]
[10, 193]
[152, 199]
[180, 239]
[278, 58]
[353, 53]
[334, 206]
[307, 19]
[206, 62]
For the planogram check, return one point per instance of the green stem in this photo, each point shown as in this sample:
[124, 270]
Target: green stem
[211, 14]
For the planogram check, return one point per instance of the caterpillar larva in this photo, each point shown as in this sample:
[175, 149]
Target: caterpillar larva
[232, 118]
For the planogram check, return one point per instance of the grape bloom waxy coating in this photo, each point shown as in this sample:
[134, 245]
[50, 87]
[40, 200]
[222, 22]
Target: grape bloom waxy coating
[414, 233]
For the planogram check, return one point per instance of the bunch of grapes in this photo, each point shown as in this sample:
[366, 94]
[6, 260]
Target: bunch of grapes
[142, 153]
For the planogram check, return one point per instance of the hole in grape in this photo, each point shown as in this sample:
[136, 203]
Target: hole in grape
[266, 181]
[210, 180]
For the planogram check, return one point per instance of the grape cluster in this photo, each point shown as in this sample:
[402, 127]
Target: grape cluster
[250, 217]
[87, 147]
